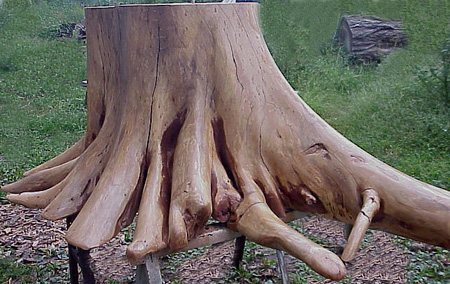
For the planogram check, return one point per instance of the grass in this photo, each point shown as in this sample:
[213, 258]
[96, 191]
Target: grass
[41, 100]
[9, 269]
[395, 110]
[384, 109]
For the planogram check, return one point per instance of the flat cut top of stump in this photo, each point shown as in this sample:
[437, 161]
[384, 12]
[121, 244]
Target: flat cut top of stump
[184, 4]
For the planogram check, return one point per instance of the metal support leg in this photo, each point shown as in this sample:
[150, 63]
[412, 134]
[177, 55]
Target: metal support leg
[73, 267]
[347, 230]
[81, 258]
[73, 261]
[149, 272]
[238, 251]
[84, 261]
[282, 267]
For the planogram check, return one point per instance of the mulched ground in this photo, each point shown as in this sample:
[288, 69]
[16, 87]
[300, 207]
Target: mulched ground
[31, 239]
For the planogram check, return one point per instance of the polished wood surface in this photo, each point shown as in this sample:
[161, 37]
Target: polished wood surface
[189, 118]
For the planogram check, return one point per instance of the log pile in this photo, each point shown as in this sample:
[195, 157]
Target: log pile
[189, 119]
[368, 39]
[67, 30]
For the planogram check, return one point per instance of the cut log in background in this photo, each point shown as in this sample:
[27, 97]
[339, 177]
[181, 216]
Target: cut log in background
[189, 118]
[368, 39]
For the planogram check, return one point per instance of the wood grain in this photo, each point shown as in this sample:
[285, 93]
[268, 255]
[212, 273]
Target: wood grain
[189, 119]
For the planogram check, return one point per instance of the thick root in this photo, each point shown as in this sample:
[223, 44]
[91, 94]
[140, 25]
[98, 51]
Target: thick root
[256, 221]
[38, 199]
[66, 156]
[41, 180]
[190, 205]
[270, 191]
[151, 233]
[261, 225]
[225, 197]
[107, 202]
[80, 182]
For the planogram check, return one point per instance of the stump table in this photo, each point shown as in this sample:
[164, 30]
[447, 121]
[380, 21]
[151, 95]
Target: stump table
[189, 119]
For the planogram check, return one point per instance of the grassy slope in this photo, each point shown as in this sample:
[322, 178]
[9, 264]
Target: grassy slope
[385, 109]
[41, 100]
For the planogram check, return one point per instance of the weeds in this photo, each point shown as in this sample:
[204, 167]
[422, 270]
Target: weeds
[12, 270]
[428, 264]
[436, 80]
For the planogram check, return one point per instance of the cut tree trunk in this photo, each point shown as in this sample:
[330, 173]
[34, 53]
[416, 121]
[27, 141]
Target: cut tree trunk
[190, 118]
[368, 39]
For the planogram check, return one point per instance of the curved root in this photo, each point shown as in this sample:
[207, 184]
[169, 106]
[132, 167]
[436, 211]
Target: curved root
[151, 233]
[41, 180]
[225, 197]
[262, 226]
[66, 156]
[38, 199]
[81, 182]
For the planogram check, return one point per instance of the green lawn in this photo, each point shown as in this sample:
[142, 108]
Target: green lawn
[385, 109]
[397, 110]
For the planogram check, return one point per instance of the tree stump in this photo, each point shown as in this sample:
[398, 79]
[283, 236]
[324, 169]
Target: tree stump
[189, 118]
[368, 39]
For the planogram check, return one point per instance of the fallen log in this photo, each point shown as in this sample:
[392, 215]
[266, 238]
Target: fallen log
[368, 39]
[190, 118]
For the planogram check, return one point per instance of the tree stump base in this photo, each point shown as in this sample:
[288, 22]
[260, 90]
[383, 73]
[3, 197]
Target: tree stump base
[189, 118]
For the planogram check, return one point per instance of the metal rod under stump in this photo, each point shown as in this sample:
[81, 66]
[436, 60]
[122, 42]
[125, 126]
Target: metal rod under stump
[238, 251]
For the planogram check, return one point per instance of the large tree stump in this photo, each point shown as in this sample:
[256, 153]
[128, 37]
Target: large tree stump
[189, 118]
[368, 39]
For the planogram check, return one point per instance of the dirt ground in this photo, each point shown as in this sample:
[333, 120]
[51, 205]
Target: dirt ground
[34, 240]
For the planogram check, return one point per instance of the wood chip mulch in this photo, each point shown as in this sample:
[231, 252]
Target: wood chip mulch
[30, 239]
[379, 259]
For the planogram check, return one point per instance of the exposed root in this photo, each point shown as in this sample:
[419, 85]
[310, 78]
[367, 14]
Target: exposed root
[108, 201]
[262, 226]
[38, 199]
[191, 204]
[119, 182]
[41, 180]
[66, 156]
[225, 197]
[271, 194]
[150, 234]
[371, 205]
[255, 220]
[81, 182]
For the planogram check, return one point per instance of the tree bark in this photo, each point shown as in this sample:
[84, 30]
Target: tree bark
[190, 118]
[367, 39]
